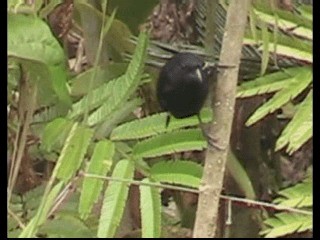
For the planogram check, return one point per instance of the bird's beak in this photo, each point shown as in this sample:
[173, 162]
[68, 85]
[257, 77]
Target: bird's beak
[209, 69]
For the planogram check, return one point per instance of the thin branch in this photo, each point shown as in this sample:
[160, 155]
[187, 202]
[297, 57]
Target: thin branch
[220, 129]
[248, 202]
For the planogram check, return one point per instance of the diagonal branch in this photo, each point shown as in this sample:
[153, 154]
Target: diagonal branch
[225, 95]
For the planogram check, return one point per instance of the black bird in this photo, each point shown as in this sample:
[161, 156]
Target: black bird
[183, 85]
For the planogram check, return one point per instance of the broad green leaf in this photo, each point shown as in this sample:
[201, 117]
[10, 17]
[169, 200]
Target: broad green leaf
[138, 14]
[55, 134]
[73, 152]
[168, 143]
[30, 38]
[156, 124]
[99, 164]
[150, 205]
[115, 42]
[30, 41]
[181, 172]
[114, 200]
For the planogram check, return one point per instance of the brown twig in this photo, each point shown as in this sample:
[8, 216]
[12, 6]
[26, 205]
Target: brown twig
[248, 202]
[220, 131]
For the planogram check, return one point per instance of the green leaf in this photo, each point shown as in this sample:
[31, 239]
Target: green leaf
[115, 92]
[156, 124]
[150, 205]
[55, 134]
[172, 142]
[306, 11]
[47, 115]
[138, 14]
[266, 11]
[292, 52]
[79, 86]
[299, 195]
[296, 86]
[30, 40]
[99, 164]
[66, 226]
[240, 176]
[96, 97]
[42, 213]
[299, 129]
[114, 200]
[269, 83]
[288, 223]
[265, 49]
[253, 22]
[181, 172]
[116, 40]
[73, 152]
[110, 123]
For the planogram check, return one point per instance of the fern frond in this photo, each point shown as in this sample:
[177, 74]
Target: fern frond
[47, 115]
[269, 83]
[299, 129]
[300, 28]
[114, 200]
[286, 16]
[168, 143]
[182, 172]
[96, 97]
[73, 152]
[99, 164]
[150, 205]
[117, 91]
[286, 46]
[299, 195]
[287, 223]
[103, 130]
[296, 86]
[155, 124]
